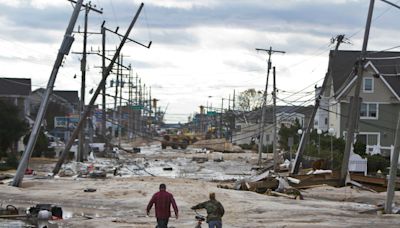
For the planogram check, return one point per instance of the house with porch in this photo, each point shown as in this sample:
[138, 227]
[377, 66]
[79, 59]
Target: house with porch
[379, 94]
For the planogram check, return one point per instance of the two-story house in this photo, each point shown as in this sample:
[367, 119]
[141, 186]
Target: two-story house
[379, 93]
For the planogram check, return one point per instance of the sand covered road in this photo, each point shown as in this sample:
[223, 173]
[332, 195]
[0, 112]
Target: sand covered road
[121, 202]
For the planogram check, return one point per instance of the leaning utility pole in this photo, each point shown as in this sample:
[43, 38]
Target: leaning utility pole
[393, 170]
[96, 93]
[64, 50]
[274, 121]
[304, 137]
[355, 114]
[264, 104]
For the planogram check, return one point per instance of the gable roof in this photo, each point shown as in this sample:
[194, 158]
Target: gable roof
[15, 86]
[254, 116]
[342, 65]
[69, 95]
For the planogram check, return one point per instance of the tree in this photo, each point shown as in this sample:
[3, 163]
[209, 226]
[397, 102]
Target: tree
[41, 145]
[286, 132]
[250, 100]
[12, 128]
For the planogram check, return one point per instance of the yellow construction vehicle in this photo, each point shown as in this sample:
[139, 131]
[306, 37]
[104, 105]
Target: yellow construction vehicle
[177, 141]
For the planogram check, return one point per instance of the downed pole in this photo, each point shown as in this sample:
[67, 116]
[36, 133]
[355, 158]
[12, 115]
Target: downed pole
[97, 92]
[64, 50]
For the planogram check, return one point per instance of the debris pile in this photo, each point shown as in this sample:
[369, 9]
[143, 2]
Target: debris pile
[220, 145]
[269, 183]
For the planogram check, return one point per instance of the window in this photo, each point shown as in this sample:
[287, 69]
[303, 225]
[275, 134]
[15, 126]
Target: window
[368, 139]
[368, 85]
[369, 111]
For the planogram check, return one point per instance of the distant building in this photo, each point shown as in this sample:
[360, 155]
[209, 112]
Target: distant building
[322, 115]
[17, 91]
[248, 123]
[62, 111]
[68, 99]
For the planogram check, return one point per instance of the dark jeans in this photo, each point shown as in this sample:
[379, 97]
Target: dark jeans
[162, 223]
[214, 224]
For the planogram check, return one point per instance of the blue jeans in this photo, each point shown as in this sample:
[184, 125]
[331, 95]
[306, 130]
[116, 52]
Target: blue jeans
[162, 223]
[214, 224]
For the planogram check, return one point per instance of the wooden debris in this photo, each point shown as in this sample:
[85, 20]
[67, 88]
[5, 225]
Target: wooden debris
[355, 183]
[293, 180]
[370, 211]
[199, 159]
[13, 216]
[274, 193]
[218, 145]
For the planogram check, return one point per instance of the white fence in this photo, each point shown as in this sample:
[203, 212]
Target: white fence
[358, 164]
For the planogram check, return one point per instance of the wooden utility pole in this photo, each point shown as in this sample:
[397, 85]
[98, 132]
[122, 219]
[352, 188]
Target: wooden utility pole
[82, 139]
[129, 105]
[264, 103]
[275, 123]
[393, 170]
[355, 114]
[220, 118]
[96, 93]
[306, 134]
[114, 127]
[121, 84]
[103, 67]
[64, 50]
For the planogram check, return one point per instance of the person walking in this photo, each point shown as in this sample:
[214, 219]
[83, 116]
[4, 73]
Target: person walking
[163, 201]
[214, 209]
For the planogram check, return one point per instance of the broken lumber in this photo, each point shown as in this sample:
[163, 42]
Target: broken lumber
[273, 193]
[380, 208]
[13, 216]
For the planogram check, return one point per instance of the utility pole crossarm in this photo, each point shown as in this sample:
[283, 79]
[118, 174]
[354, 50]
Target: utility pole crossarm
[89, 6]
[134, 41]
[96, 53]
[270, 51]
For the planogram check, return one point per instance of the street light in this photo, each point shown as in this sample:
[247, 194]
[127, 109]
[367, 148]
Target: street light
[331, 132]
[299, 132]
[319, 132]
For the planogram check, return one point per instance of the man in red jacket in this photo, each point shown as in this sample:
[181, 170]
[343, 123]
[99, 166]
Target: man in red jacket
[163, 201]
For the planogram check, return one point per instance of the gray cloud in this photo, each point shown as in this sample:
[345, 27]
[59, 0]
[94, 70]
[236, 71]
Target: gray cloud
[330, 18]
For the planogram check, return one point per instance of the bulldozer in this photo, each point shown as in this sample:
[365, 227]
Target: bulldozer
[177, 141]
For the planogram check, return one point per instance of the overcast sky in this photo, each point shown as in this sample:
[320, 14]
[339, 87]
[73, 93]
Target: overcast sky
[202, 50]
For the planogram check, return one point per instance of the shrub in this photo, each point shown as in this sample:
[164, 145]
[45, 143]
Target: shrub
[377, 162]
[12, 161]
[360, 149]
[246, 146]
[50, 153]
